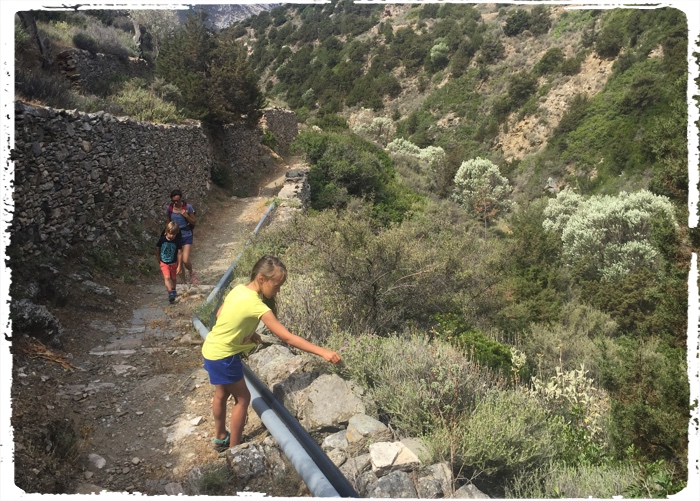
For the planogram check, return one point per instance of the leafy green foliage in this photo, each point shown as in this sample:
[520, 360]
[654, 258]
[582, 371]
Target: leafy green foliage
[215, 81]
[480, 187]
[484, 350]
[144, 104]
[347, 166]
[550, 61]
[600, 481]
[649, 386]
[507, 434]
[607, 237]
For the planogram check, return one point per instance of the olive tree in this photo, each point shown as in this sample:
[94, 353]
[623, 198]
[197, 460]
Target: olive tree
[480, 187]
[609, 235]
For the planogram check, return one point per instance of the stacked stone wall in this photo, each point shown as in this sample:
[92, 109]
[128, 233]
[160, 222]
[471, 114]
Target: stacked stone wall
[283, 124]
[80, 176]
[87, 71]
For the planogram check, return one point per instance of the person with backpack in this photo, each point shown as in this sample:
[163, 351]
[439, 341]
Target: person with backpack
[170, 257]
[182, 213]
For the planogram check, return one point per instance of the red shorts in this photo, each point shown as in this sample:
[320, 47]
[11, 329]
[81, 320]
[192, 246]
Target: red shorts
[168, 270]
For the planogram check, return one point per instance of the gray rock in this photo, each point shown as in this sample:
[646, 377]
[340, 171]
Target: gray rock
[336, 440]
[246, 462]
[396, 484]
[391, 456]
[353, 467]
[328, 404]
[97, 461]
[269, 362]
[417, 446]
[434, 481]
[88, 489]
[363, 429]
[469, 491]
[366, 483]
[337, 456]
[174, 489]
[37, 321]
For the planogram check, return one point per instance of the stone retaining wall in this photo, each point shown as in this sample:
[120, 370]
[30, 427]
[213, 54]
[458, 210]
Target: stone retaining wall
[283, 124]
[87, 71]
[80, 176]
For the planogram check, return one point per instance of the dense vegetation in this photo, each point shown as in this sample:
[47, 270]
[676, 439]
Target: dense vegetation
[537, 341]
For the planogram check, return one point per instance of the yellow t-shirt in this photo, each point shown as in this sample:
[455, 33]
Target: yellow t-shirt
[238, 319]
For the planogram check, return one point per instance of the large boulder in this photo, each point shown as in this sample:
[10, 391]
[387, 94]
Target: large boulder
[327, 404]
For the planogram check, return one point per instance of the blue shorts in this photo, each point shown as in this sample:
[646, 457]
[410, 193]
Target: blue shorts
[187, 239]
[225, 371]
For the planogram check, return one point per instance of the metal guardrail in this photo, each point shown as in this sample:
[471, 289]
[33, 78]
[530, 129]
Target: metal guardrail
[319, 473]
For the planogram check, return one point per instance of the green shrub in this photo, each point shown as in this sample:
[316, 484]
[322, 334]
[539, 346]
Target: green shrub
[656, 480]
[508, 434]
[269, 139]
[517, 21]
[214, 479]
[85, 42]
[432, 386]
[484, 350]
[550, 61]
[609, 41]
[345, 165]
[608, 236]
[575, 482]
[39, 85]
[570, 66]
[143, 104]
[479, 187]
[571, 342]
[648, 384]
[330, 122]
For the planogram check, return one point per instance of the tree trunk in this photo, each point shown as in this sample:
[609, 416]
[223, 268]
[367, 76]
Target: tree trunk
[29, 25]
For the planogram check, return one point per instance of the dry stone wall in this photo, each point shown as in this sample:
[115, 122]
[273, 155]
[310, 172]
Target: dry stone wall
[283, 124]
[81, 176]
[86, 70]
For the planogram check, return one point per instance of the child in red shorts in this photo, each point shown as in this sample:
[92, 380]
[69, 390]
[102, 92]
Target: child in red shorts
[170, 257]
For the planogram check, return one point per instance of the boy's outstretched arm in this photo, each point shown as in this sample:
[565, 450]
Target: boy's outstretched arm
[279, 330]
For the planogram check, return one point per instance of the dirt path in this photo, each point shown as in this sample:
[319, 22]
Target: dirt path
[131, 379]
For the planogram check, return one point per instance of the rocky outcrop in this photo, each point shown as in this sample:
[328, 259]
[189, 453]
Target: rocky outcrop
[366, 451]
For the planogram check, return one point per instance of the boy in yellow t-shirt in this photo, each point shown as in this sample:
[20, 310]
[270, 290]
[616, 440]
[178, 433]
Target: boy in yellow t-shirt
[234, 333]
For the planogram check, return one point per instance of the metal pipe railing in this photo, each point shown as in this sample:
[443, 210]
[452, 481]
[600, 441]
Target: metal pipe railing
[319, 473]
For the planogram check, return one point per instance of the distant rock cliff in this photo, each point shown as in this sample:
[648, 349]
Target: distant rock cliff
[221, 16]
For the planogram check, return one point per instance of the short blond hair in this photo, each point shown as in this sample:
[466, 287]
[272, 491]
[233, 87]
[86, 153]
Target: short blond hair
[172, 228]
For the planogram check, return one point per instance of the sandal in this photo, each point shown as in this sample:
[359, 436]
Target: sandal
[221, 444]
[193, 278]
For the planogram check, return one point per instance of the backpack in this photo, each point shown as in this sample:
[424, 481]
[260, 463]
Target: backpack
[189, 226]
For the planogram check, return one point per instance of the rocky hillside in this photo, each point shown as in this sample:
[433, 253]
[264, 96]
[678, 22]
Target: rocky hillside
[221, 16]
[489, 80]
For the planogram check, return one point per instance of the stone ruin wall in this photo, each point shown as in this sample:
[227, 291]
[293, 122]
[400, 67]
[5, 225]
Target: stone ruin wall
[82, 176]
[283, 126]
[86, 70]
